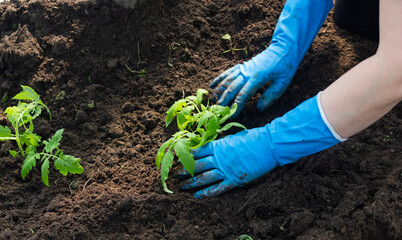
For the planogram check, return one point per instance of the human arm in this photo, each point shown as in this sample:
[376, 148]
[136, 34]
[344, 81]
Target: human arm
[350, 104]
[295, 31]
[369, 90]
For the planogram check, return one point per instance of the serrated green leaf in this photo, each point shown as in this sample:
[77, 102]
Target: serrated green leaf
[233, 109]
[68, 164]
[187, 110]
[196, 143]
[190, 135]
[12, 114]
[220, 110]
[38, 111]
[179, 134]
[29, 138]
[5, 133]
[29, 163]
[171, 113]
[200, 95]
[227, 112]
[204, 118]
[31, 149]
[27, 94]
[13, 153]
[45, 172]
[212, 125]
[54, 141]
[229, 125]
[166, 164]
[192, 98]
[182, 149]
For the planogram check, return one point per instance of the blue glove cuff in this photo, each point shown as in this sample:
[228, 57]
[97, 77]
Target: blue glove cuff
[301, 132]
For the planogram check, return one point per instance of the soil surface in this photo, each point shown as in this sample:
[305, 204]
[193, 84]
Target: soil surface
[114, 121]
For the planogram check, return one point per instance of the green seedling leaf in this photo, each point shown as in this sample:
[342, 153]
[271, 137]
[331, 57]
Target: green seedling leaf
[204, 118]
[172, 47]
[29, 138]
[171, 113]
[226, 37]
[54, 141]
[45, 172]
[244, 237]
[61, 95]
[68, 164]
[226, 115]
[184, 117]
[229, 125]
[161, 152]
[200, 95]
[5, 133]
[13, 153]
[167, 161]
[182, 149]
[27, 94]
[91, 104]
[4, 98]
[38, 111]
[142, 73]
[29, 163]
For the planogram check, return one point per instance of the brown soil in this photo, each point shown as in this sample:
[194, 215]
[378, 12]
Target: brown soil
[351, 191]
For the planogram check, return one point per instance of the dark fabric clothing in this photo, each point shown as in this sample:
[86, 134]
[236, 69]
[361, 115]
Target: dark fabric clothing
[358, 16]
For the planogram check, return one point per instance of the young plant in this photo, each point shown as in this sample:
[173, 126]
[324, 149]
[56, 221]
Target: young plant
[197, 125]
[21, 119]
[228, 38]
[172, 47]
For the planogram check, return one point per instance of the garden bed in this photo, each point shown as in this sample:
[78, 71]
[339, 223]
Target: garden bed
[91, 50]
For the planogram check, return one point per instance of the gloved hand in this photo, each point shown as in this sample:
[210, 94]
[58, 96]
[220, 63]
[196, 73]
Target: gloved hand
[296, 29]
[241, 158]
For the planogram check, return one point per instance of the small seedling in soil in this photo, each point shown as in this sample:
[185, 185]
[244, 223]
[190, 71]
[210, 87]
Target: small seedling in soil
[198, 125]
[91, 104]
[61, 95]
[172, 46]
[4, 98]
[244, 237]
[232, 49]
[21, 118]
[140, 74]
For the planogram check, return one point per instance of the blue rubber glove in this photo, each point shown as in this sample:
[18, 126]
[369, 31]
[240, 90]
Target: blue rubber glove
[295, 31]
[241, 158]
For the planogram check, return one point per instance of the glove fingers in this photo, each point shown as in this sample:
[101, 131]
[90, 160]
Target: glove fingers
[223, 86]
[203, 151]
[222, 76]
[244, 95]
[215, 190]
[274, 91]
[231, 92]
[202, 165]
[203, 179]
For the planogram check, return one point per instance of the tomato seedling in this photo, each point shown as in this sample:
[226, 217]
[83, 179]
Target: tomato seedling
[228, 38]
[21, 119]
[198, 125]
[172, 46]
